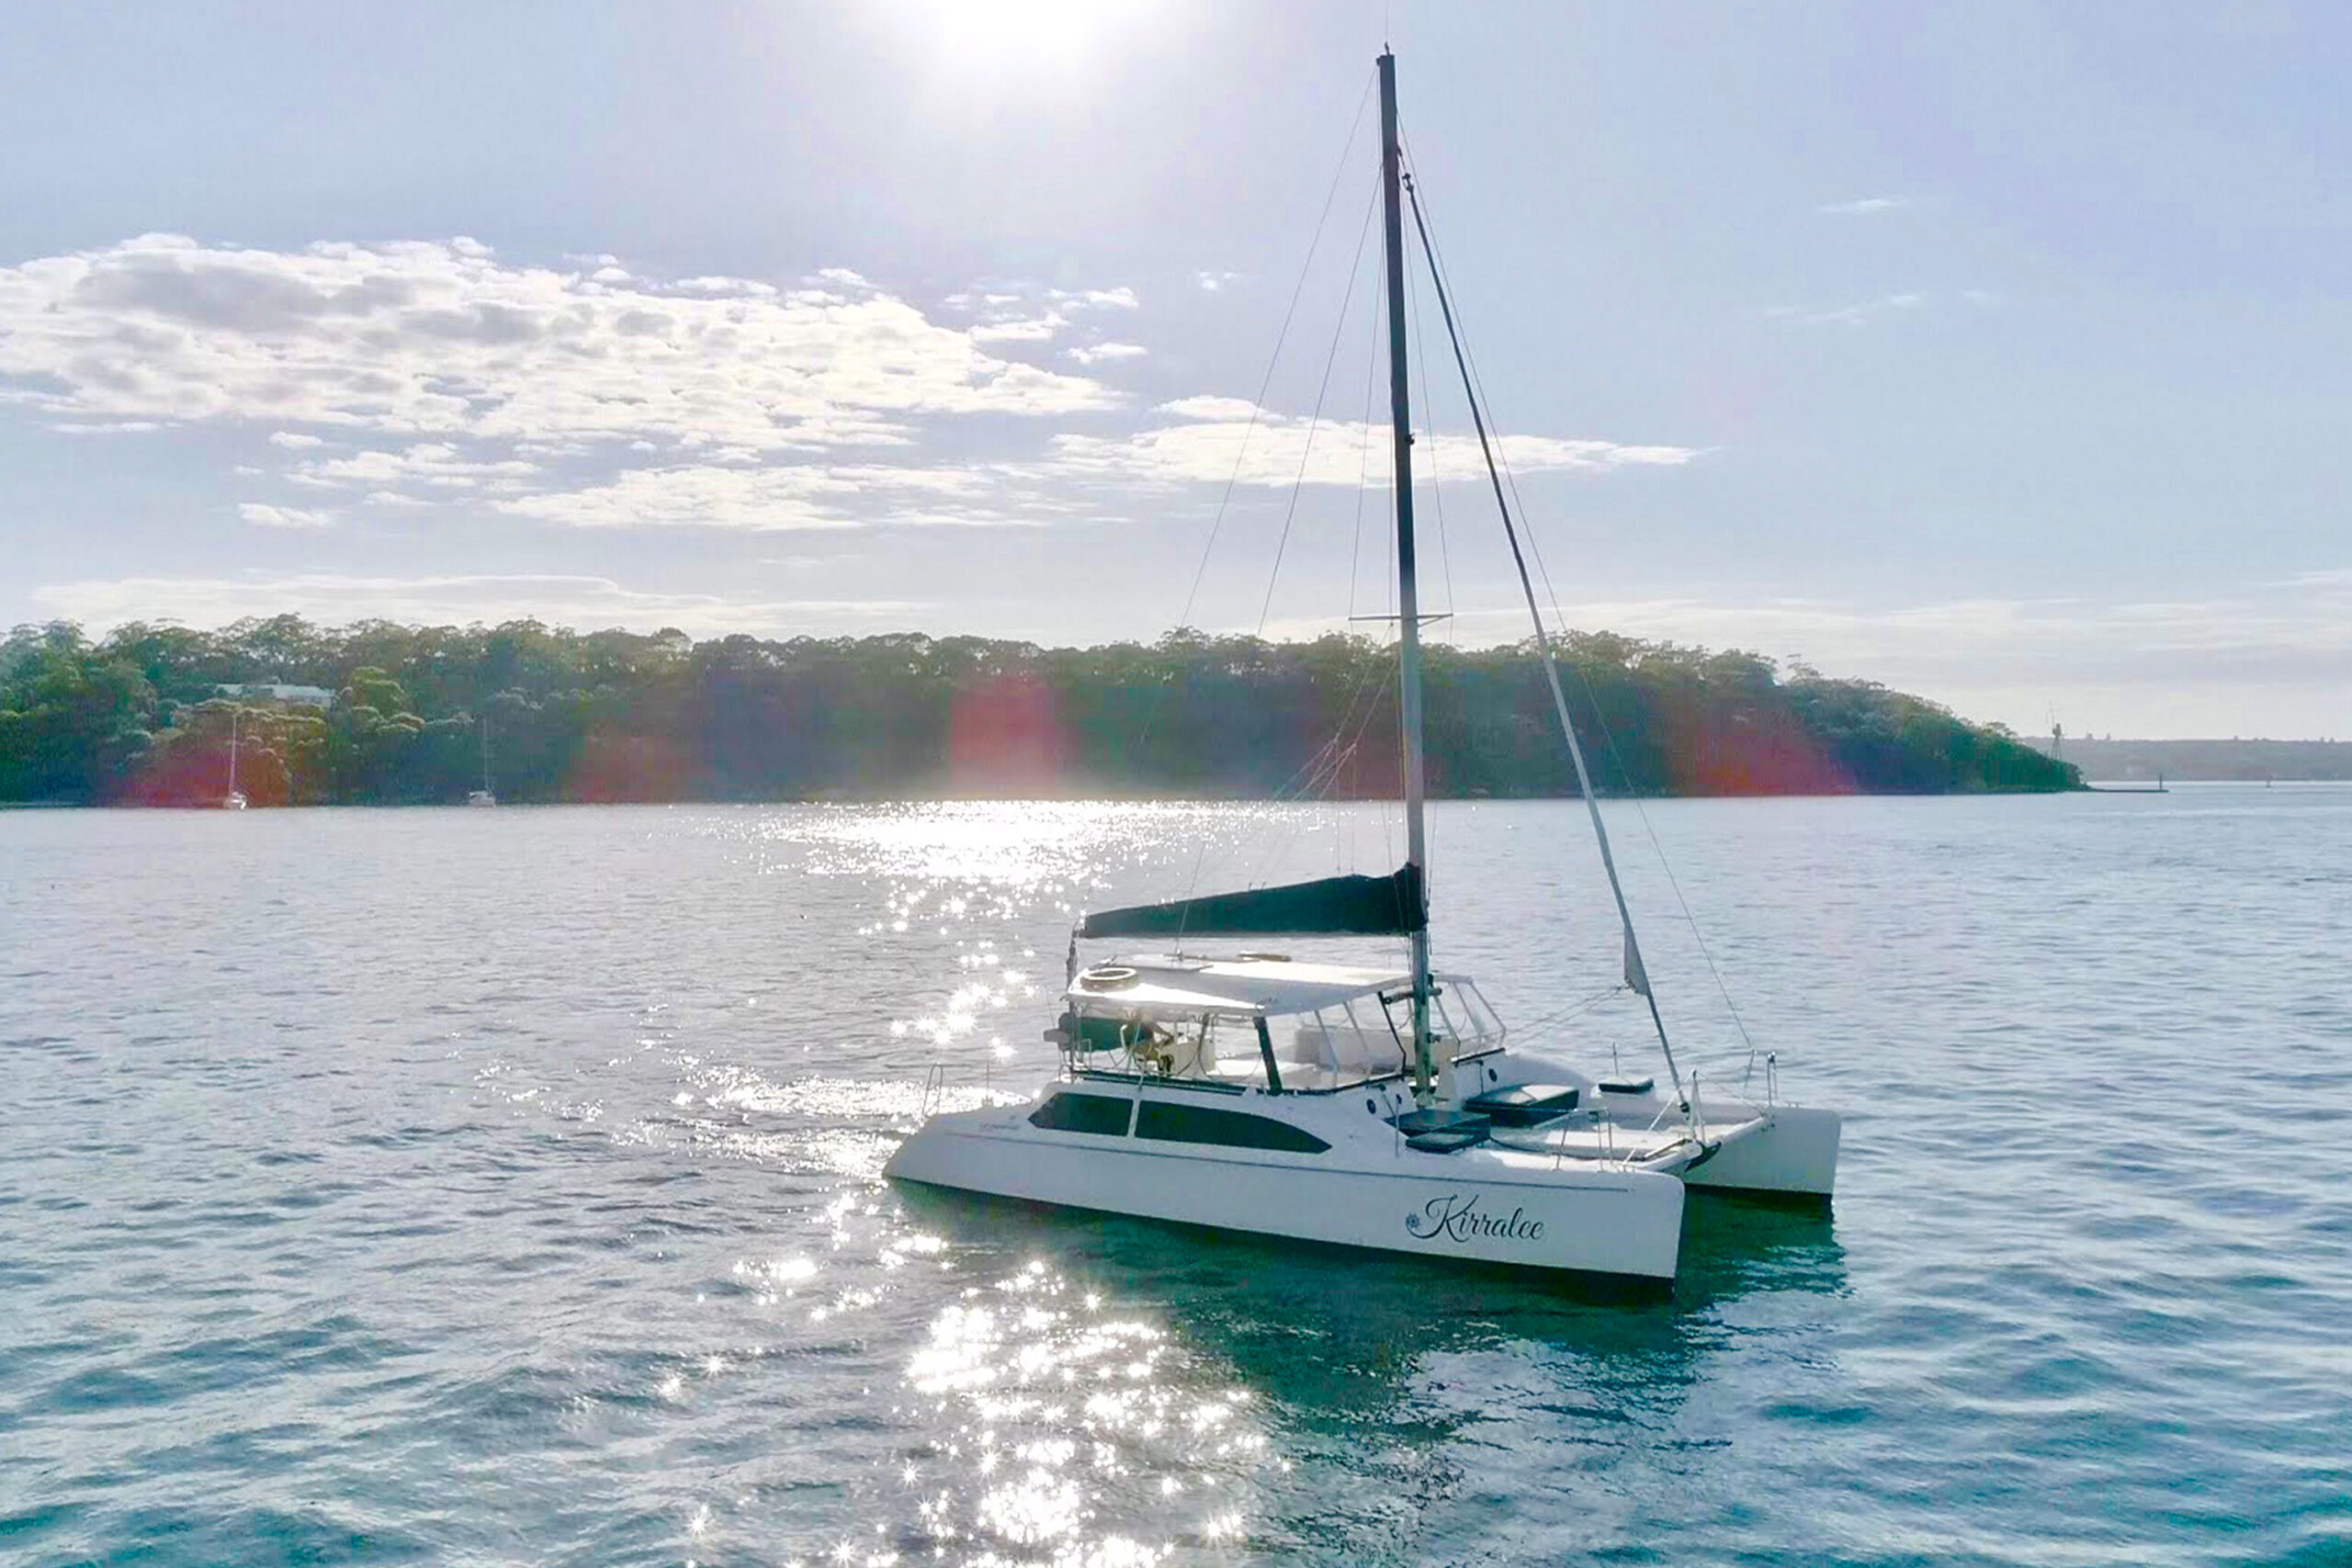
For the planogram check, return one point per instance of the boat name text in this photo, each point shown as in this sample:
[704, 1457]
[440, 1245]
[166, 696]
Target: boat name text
[1458, 1218]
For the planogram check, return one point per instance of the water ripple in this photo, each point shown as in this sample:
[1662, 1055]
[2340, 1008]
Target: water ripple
[504, 1188]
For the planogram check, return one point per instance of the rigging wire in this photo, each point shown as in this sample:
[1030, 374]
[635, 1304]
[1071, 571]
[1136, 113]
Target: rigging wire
[1320, 774]
[1364, 460]
[1321, 765]
[1635, 975]
[1429, 423]
[1388, 587]
[1437, 495]
[1343, 849]
[1314, 780]
[1315, 420]
[1561, 1014]
[1379, 677]
[1298, 484]
[1265, 383]
[1257, 411]
[1477, 389]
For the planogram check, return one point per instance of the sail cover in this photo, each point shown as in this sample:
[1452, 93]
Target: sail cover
[1335, 905]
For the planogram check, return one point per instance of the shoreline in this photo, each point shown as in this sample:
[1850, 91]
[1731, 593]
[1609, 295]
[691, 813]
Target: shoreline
[1075, 798]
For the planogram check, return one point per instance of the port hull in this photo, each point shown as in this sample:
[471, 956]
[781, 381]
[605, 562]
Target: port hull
[1490, 1207]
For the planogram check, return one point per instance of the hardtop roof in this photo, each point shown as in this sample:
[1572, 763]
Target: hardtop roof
[1249, 983]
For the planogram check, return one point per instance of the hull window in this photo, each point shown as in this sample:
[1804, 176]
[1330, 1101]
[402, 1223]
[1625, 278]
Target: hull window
[1097, 1113]
[1230, 1129]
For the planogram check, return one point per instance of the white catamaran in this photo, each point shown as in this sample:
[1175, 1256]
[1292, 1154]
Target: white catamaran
[1367, 1107]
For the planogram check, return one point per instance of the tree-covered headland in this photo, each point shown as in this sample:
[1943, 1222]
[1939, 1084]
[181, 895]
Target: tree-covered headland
[139, 718]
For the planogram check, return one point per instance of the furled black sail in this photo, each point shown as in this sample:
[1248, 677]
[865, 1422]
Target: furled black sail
[1335, 905]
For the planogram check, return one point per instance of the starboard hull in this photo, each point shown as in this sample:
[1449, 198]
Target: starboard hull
[1789, 1152]
[1793, 1157]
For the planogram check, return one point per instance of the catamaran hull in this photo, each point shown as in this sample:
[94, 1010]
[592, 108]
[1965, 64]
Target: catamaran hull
[1616, 1222]
[1776, 1150]
[1793, 1154]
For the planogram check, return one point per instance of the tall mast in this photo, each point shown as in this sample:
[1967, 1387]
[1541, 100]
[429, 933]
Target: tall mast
[232, 751]
[1408, 593]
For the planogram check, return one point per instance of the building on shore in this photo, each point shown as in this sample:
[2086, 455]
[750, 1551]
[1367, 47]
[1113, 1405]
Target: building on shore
[273, 692]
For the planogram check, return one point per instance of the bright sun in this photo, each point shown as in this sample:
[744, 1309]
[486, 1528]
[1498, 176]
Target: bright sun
[1013, 37]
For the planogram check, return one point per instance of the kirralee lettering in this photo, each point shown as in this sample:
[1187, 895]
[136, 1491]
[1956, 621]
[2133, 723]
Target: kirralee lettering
[1457, 1218]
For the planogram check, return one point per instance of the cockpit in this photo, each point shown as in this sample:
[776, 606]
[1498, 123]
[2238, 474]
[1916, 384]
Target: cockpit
[1261, 1021]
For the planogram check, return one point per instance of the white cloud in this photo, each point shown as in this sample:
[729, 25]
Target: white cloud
[433, 463]
[1212, 282]
[1856, 315]
[1100, 351]
[1023, 313]
[1215, 441]
[791, 499]
[1120, 299]
[262, 515]
[429, 339]
[1021, 329]
[741, 285]
[584, 603]
[1208, 406]
[589, 396]
[1863, 206]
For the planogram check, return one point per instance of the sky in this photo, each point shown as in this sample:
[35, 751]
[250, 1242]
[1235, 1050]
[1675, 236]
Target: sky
[1998, 352]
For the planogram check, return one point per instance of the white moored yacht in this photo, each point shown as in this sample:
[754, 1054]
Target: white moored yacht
[484, 796]
[1367, 1106]
[235, 799]
[1264, 1094]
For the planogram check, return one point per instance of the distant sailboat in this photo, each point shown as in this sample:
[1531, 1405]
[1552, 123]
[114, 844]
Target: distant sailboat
[484, 796]
[234, 800]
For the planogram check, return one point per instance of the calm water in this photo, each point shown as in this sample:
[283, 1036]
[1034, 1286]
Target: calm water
[501, 1187]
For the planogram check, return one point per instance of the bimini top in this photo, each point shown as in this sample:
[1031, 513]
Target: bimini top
[1249, 983]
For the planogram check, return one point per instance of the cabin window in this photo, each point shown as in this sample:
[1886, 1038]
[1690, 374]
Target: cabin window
[1335, 1048]
[1484, 1032]
[1099, 1113]
[1230, 1129]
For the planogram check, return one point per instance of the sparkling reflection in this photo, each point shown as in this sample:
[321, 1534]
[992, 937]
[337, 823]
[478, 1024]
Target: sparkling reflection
[1061, 1415]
